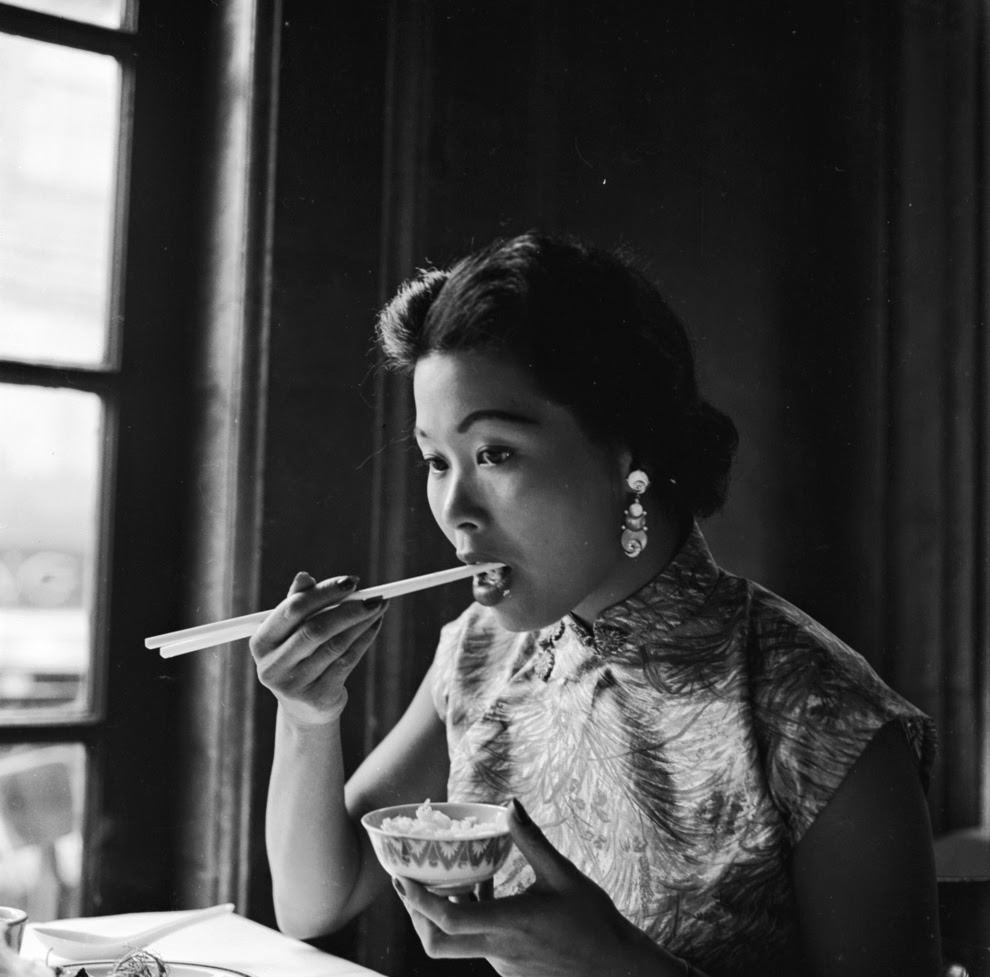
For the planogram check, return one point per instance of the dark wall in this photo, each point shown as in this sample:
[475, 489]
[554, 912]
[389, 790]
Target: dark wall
[735, 150]
[326, 254]
[326, 288]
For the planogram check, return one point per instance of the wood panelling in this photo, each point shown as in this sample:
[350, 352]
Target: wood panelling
[934, 544]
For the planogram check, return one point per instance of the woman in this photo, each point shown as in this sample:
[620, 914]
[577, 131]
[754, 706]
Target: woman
[703, 779]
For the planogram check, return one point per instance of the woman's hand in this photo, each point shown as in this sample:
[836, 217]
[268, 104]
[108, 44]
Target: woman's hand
[306, 648]
[562, 926]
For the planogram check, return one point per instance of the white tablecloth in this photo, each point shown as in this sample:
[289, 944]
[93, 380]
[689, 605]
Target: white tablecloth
[226, 941]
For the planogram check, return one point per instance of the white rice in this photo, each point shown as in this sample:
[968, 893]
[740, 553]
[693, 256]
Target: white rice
[430, 823]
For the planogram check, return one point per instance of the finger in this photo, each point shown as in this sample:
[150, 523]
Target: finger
[264, 637]
[342, 642]
[344, 652]
[449, 917]
[300, 582]
[442, 946]
[550, 866]
[363, 641]
[328, 627]
[437, 942]
[460, 918]
[303, 666]
[343, 625]
[305, 598]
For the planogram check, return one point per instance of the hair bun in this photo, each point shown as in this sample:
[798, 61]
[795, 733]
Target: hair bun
[708, 446]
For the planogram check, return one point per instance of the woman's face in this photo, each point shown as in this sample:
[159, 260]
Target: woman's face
[512, 477]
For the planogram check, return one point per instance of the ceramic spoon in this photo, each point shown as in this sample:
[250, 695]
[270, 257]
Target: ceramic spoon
[79, 945]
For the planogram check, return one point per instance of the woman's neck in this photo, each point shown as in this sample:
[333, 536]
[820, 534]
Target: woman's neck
[666, 536]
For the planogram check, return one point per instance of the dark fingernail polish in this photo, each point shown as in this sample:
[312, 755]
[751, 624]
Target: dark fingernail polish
[521, 816]
[373, 602]
[398, 887]
[347, 584]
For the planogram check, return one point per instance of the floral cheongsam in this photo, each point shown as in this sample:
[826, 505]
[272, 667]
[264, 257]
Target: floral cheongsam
[676, 752]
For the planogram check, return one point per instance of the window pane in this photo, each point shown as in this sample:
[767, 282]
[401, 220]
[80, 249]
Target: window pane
[58, 136]
[41, 804]
[105, 13]
[50, 459]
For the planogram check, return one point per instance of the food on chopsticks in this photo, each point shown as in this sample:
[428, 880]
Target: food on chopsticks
[431, 823]
[491, 587]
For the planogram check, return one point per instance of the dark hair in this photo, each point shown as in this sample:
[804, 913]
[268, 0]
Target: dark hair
[597, 337]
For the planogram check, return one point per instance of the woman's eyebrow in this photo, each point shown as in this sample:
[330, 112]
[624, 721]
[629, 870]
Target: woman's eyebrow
[485, 414]
[494, 414]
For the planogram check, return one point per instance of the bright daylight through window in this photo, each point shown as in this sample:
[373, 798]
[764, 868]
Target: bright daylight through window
[59, 121]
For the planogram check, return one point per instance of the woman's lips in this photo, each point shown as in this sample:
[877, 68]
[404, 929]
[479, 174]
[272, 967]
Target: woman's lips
[492, 586]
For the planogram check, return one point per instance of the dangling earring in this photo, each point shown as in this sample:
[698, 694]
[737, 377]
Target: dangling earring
[634, 527]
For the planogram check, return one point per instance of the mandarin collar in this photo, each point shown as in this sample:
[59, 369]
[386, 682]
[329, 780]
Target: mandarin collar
[675, 594]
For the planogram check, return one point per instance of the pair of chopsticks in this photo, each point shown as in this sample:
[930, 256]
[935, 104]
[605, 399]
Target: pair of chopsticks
[201, 636]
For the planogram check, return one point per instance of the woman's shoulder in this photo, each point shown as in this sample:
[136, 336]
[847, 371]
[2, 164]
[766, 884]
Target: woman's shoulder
[795, 660]
[817, 704]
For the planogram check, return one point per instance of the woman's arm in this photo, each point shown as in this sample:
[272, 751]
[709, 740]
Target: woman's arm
[305, 650]
[864, 872]
[323, 869]
[863, 876]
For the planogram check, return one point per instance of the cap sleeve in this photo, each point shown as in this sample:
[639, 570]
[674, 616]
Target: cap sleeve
[820, 703]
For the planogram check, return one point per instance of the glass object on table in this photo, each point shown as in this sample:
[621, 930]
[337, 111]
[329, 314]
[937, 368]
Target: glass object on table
[12, 922]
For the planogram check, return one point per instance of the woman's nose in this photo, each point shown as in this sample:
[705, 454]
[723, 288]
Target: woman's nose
[461, 507]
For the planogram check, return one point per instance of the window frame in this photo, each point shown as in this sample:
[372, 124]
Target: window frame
[102, 378]
[84, 725]
[133, 824]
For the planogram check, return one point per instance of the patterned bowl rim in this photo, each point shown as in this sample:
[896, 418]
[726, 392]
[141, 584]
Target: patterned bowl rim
[464, 809]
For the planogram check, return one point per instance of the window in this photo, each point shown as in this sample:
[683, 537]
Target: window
[63, 138]
[131, 311]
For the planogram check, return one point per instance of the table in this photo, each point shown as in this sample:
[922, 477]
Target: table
[225, 941]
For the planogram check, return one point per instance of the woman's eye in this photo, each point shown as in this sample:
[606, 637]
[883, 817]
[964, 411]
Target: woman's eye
[494, 456]
[434, 464]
